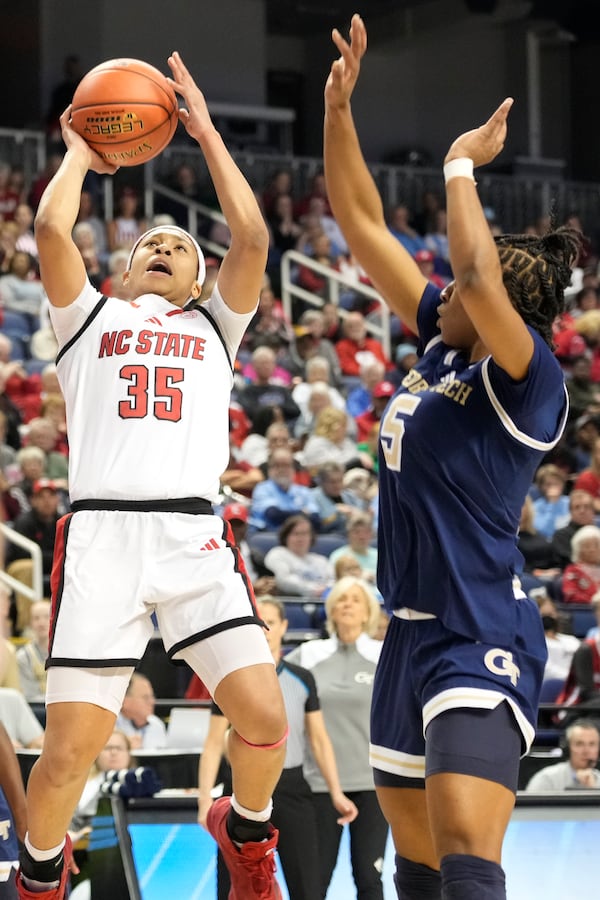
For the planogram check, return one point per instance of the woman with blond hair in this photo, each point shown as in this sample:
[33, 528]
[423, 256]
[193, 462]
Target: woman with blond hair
[344, 667]
[329, 442]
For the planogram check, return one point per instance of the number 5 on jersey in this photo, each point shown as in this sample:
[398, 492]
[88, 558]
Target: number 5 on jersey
[391, 432]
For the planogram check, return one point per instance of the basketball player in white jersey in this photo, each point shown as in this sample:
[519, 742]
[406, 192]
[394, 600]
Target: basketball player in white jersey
[147, 388]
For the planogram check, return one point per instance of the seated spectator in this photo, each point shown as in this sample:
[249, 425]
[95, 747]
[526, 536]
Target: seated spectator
[581, 510]
[285, 227]
[320, 250]
[137, 719]
[551, 508]
[55, 409]
[579, 771]
[9, 197]
[405, 357]
[26, 242]
[280, 183]
[279, 497]
[114, 773]
[581, 578]
[317, 370]
[370, 446]
[278, 436]
[425, 260]
[329, 442]
[8, 455]
[31, 462]
[400, 226]
[537, 550]
[594, 631]
[264, 392]
[9, 669]
[582, 436]
[319, 398]
[317, 188]
[299, 352]
[254, 446]
[363, 485]
[332, 323]
[436, 240]
[316, 322]
[185, 181]
[334, 503]
[584, 394]
[360, 536]
[21, 291]
[9, 234]
[589, 479]
[297, 570]
[238, 515]
[88, 214]
[39, 525]
[84, 239]
[127, 226]
[240, 477]
[356, 348]
[43, 433]
[263, 368]
[270, 321]
[19, 720]
[561, 647]
[31, 656]
[358, 400]
[112, 284]
[380, 396]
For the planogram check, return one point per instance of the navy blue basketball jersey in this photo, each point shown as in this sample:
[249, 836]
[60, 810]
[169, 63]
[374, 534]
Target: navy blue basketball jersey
[459, 446]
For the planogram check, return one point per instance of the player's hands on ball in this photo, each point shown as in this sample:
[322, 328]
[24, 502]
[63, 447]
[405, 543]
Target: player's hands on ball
[74, 141]
[196, 117]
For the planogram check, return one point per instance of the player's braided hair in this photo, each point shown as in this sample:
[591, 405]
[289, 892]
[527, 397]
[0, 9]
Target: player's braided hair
[536, 270]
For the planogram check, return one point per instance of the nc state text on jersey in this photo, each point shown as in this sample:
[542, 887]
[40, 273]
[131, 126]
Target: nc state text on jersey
[159, 343]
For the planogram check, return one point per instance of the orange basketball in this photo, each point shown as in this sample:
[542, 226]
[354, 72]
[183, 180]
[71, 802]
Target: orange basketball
[126, 111]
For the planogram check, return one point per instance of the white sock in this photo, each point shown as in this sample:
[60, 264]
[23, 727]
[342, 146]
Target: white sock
[262, 815]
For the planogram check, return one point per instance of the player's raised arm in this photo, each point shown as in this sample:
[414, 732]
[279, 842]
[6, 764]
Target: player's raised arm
[61, 266]
[242, 270]
[353, 194]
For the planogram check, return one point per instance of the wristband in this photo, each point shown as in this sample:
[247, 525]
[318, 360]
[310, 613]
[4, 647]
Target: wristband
[462, 167]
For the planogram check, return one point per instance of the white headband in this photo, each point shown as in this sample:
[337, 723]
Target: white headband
[172, 229]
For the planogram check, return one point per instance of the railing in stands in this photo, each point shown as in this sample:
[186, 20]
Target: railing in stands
[36, 592]
[336, 284]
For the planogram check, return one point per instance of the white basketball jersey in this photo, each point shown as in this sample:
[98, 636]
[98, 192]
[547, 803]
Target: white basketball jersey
[147, 389]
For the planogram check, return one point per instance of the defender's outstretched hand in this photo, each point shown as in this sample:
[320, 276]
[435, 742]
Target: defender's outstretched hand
[344, 71]
[483, 144]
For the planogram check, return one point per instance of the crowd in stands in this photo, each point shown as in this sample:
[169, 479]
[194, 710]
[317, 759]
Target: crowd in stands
[308, 396]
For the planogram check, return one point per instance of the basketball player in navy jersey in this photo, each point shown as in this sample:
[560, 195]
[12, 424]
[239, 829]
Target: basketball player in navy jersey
[457, 684]
[147, 388]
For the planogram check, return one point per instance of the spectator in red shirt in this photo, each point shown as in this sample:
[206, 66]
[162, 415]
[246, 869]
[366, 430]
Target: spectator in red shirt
[355, 347]
[581, 578]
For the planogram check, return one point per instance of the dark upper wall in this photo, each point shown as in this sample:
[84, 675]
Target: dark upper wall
[430, 72]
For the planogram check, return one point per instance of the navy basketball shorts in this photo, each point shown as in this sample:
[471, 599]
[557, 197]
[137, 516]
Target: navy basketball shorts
[425, 670]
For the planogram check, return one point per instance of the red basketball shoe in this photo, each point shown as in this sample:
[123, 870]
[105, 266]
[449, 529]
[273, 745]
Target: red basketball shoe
[251, 868]
[56, 893]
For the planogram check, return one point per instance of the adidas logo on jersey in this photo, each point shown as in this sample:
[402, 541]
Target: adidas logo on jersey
[210, 545]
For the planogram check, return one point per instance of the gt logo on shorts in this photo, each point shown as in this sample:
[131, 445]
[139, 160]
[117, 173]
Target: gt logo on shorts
[500, 662]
